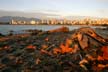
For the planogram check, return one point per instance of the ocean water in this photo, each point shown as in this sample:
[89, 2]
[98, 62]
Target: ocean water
[5, 29]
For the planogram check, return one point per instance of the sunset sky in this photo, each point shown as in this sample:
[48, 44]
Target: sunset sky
[95, 8]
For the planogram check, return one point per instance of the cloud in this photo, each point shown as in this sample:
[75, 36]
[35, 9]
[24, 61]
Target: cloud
[55, 14]
[103, 0]
[26, 14]
[103, 12]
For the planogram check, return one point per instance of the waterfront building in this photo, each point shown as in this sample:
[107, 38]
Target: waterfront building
[86, 21]
[32, 22]
[13, 22]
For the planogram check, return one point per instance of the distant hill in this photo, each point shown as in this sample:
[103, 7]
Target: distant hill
[9, 18]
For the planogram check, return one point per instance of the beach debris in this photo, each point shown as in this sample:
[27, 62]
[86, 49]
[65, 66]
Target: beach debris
[46, 39]
[38, 61]
[58, 50]
[31, 47]
[105, 52]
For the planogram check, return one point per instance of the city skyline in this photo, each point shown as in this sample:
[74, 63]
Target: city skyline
[54, 8]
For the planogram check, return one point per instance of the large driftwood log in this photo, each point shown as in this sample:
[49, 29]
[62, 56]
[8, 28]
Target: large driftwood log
[87, 37]
[62, 29]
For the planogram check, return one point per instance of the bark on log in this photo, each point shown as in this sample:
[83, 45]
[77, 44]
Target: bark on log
[62, 29]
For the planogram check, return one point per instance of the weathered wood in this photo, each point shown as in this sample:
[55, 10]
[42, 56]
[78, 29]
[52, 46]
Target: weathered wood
[87, 37]
[62, 29]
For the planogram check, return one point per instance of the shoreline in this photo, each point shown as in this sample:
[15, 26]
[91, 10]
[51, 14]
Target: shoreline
[30, 27]
[30, 31]
[101, 31]
[61, 24]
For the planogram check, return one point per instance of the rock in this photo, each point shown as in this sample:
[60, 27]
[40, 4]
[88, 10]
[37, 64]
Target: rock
[1, 35]
[2, 66]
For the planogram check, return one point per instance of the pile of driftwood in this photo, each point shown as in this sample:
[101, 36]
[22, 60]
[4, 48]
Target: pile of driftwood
[91, 48]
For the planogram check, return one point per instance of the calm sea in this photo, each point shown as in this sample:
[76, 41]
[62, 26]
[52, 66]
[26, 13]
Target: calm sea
[4, 29]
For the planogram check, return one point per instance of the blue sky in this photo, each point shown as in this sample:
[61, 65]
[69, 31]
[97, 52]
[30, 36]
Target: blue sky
[97, 8]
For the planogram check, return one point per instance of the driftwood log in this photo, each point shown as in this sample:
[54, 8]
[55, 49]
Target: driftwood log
[62, 29]
[88, 37]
